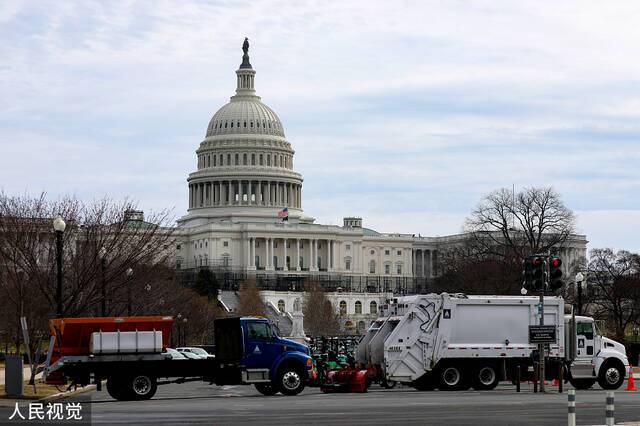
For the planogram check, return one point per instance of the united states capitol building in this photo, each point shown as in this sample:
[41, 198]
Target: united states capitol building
[244, 180]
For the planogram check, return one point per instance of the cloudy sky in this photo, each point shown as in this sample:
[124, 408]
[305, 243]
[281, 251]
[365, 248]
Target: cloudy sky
[404, 113]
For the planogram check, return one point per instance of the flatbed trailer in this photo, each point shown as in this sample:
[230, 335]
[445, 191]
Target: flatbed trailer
[247, 351]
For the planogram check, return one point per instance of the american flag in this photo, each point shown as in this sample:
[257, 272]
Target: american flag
[284, 214]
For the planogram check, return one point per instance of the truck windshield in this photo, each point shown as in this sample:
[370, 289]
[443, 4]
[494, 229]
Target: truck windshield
[259, 330]
[585, 329]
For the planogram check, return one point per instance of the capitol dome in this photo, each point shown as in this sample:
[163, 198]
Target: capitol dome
[245, 116]
[244, 164]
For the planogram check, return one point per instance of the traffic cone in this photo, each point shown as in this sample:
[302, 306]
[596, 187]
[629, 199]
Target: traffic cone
[631, 386]
[556, 382]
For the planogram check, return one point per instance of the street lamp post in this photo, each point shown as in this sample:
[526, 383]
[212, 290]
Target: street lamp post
[129, 274]
[103, 299]
[59, 227]
[179, 317]
[184, 331]
[579, 279]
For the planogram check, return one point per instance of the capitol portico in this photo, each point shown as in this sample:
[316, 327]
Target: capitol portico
[245, 178]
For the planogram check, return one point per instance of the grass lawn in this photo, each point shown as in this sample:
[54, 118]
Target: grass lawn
[43, 390]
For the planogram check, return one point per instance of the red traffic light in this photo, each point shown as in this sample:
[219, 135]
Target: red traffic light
[537, 261]
[556, 262]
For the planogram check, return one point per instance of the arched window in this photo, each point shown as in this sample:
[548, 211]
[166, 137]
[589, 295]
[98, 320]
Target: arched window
[228, 159]
[372, 266]
[358, 307]
[244, 159]
[373, 308]
[268, 160]
[261, 162]
[237, 159]
[343, 307]
[253, 159]
[214, 160]
[281, 305]
[361, 326]
[221, 159]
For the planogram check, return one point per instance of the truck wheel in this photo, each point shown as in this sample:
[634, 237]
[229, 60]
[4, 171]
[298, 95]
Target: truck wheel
[425, 383]
[485, 377]
[116, 389]
[452, 378]
[611, 375]
[266, 389]
[291, 380]
[582, 384]
[141, 387]
[388, 384]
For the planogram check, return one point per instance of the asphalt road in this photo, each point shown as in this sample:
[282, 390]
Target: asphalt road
[199, 403]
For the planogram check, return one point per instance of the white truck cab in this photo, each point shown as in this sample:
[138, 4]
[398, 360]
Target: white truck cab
[594, 357]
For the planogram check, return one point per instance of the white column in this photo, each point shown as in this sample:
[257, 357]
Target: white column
[330, 255]
[431, 264]
[229, 192]
[269, 193]
[314, 256]
[240, 193]
[284, 261]
[423, 266]
[297, 254]
[259, 200]
[271, 253]
[252, 254]
[248, 248]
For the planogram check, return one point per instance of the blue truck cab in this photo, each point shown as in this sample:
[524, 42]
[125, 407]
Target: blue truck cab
[250, 351]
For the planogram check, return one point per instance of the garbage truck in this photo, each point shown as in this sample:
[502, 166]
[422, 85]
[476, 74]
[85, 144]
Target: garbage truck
[455, 341]
[130, 354]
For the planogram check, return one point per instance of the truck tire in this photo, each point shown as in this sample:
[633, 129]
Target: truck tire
[485, 377]
[582, 384]
[140, 387]
[267, 389]
[291, 379]
[115, 388]
[611, 375]
[425, 383]
[451, 378]
[388, 384]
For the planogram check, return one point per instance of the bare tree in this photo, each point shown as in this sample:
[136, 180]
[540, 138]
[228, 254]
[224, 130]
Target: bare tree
[614, 288]
[506, 224]
[250, 302]
[27, 253]
[320, 318]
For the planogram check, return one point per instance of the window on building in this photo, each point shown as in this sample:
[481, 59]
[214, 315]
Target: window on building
[386, 252]
[221, 160]
[281, 306]
[237, 160]
[387, 269]
[268, 160]
[178, 246]
[343, 307]
[244, 159]
[361, 327]
[251, 124]
[225, 124]
[178, 264]
[358, 307]
[275, 262]
[257, 262]
[245, 124]
[257, 243]
[319, 262]
[226, 244]
[214, 160]
[399, 270]
[253, 159]
[261, 162]
[228, 159]
[347, 264]
[301, 262]
[225, 261]
[372, 267]
[373, 308]
[399, 253]
[275, 245]
[372, 252]
[348, 246]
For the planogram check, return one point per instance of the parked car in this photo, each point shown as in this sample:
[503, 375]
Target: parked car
[192, 352]
[174, 354]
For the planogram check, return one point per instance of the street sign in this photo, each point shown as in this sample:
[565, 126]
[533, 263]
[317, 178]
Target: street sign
[542, 334]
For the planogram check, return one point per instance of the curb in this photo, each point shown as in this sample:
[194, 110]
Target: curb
[62, 395]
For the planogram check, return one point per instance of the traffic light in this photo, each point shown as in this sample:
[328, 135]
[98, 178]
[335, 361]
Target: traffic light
[533, 272]
[555, 273]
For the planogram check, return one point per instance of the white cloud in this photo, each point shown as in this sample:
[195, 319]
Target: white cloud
[431, 103]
